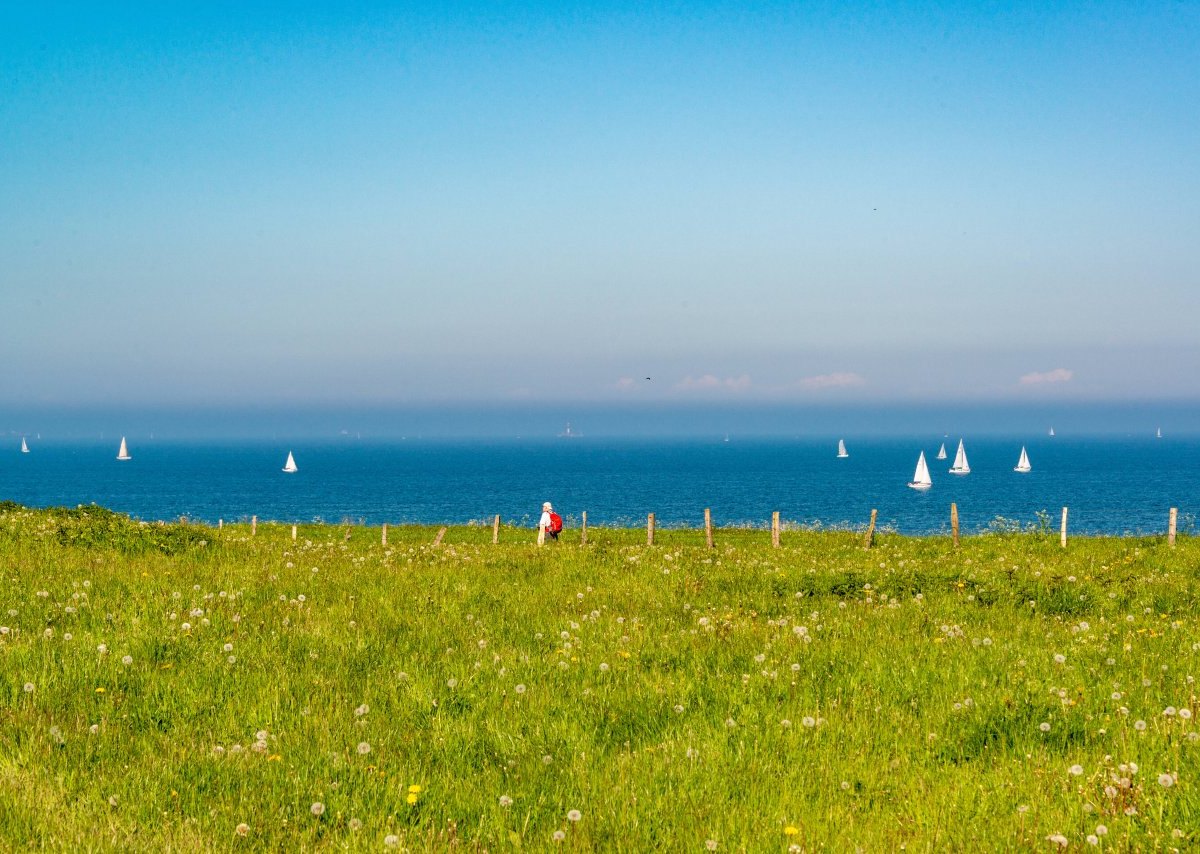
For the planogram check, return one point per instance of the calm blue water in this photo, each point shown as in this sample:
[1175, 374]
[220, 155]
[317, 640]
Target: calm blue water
[1111, 485]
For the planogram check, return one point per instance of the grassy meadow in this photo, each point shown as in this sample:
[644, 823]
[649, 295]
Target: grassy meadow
[176, 687]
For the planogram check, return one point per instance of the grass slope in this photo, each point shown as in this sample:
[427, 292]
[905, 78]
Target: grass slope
[178, 687]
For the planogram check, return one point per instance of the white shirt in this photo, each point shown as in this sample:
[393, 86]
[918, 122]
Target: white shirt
[544, 522]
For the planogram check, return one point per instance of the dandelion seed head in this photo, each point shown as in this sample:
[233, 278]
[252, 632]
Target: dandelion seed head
[574, 815]
[317, 808]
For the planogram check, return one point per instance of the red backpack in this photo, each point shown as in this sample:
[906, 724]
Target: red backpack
[555, 523]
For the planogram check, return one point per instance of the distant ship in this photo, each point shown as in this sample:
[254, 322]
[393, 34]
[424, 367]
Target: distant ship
[1051, 431]
[24, 447]
[960, 461]
[941, 454]
[842, 452]
[1157, 434]
[123, 453]
[290, 465]
[568, 433]
[1023, 463]
[921, 478]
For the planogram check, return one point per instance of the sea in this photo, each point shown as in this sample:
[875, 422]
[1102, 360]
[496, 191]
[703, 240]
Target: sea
[1113, 484]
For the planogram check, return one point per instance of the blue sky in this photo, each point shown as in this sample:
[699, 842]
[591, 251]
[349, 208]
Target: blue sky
[225, 204]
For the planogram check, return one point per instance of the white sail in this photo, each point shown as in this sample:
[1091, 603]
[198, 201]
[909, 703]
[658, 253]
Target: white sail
[842, 452]
[24, 447]
[1051, 431]
[290, 465]
[921, 478]
[960, 461]
[941, 454]
[1023, 463]
[1157, 434]
[123, 453]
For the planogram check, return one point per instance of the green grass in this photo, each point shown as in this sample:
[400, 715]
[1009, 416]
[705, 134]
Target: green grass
[818, 695]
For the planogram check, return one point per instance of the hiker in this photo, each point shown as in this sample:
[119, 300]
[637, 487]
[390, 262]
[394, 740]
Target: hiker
[550, 523]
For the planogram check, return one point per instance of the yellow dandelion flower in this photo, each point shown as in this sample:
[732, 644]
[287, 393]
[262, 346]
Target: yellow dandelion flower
[274, 757]
[412, 798]
[99, 690]
[414, 789]
[791, 830]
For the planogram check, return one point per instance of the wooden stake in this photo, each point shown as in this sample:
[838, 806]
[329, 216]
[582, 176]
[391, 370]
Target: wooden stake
[496, 529]
[1063, 537]
[954, 523]
[220, 524]
[1171, 519]
[293, 533]
[437, 541]
[383, 535]
[650, 529]
[708, 528]
[775, 529]
[253, 525]
[870, 540]
[583, 530]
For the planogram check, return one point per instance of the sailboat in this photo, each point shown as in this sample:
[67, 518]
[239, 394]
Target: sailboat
[1052, 431]
[24, 447]
[123, 453]
[1023, 463]
[1157, 434]
[960, 461]
[921, 479]
[842, 452]
[941, 454]
[290, 465]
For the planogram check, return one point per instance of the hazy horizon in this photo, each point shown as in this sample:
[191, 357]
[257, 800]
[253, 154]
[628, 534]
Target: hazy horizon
[654, 421]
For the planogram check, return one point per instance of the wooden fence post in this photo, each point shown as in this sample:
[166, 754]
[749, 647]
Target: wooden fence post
[708, 527]
[437, 541]
[220, 524]
[383, 535]
[954, 523]
[496, 529]
[253, 525]
[775, 529]
[650, 529]
[293, 533]
[1171, 519]
[1063, 536]
[583, 530]
[870, 540]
